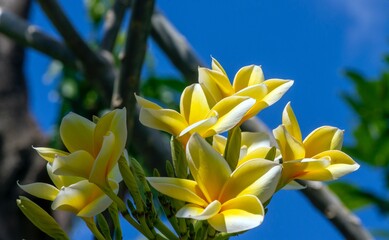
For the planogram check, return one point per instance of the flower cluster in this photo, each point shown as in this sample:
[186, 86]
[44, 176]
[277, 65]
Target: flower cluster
[81, 175]
[223, 184]
[233, 179]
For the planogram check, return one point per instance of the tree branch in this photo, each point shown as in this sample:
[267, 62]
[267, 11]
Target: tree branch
[175, 46]
[128, 82]
[29, 35]
[113, 21]
[98, 67]
[331, 207]
[73, 40]
[185, 60]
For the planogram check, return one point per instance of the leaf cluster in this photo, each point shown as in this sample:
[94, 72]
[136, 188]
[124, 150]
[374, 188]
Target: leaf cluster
[370, 103]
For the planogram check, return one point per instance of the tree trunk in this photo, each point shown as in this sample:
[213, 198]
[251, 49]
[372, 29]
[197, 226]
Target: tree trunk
[18, 132]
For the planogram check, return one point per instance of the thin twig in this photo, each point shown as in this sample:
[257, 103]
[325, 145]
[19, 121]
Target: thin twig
[113, 21]
[128, 82]
[29, 35]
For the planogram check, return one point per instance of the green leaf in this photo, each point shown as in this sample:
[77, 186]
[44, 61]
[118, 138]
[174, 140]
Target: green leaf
[179, 161]
[169, 169]
[40, 218]
[233, 145]
[380, 233]
[271, 155]
[103, 226]
[355, 198]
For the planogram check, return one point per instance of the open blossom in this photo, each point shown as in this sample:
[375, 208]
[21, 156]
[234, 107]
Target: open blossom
[73, 194]
[317, 157]
[94, 148]
[229, 200]
[253, 145]
[196, 114]
[248, 81]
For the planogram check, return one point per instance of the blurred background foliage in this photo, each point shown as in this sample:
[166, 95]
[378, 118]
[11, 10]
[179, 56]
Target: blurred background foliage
[369, 101]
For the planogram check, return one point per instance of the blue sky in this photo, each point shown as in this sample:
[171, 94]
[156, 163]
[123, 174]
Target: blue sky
[309, 41]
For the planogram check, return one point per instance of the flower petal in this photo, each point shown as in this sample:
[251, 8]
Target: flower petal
[216, 83]
[202, 126]
[294, 185]
[258, 177]
[78, 163]
[257, 92]
[181, 189]
[164, 119]
[103, 162]
[113, 122]
[219, 143]
[49, 153]
[276, 89]
[102, 202]
[306, 169]
[290, 122]
[81, 195]
[248, 76]
[41, 190]
[230, 111]
[209, 169]
[61, 180]
[193, 104]
[199, 213]
[340, 165]
[144, 103]
[77, 133]
[256, 153]
[291, 149]
[215, 65]
[323, 139]
[255, 140]
[239, 214]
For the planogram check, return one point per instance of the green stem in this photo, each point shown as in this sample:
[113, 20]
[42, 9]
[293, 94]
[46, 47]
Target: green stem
[123, 210]
[211, 233]
[113, 211]
[183, 228]
[165, 230]
[92, 226]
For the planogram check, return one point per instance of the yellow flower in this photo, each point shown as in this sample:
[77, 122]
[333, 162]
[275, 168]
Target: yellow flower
[229, 201]
[253, 145]
[94, 148]
[73, 194]
[196, 114]
[249, 81]
[317, 158]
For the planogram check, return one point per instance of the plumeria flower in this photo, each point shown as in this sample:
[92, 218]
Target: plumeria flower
[73, 194]
[253, 145]
[229, 200]
[317, 157]
[94, 148]
[196, 114]
[249, 81]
